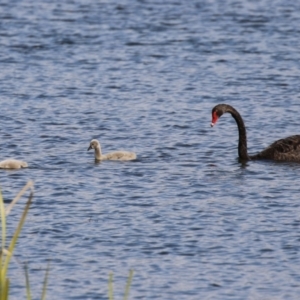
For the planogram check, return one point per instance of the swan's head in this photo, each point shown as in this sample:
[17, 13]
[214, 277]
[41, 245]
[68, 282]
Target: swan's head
[24, 164]
[217, 112]
[94, 144]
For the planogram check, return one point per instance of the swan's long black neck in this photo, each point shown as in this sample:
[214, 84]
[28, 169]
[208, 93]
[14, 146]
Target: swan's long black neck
[242, 148]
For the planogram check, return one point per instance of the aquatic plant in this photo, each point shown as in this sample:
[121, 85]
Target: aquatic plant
[6, 253]
[127, 287]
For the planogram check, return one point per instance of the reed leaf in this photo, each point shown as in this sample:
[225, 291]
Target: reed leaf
[128, 284]
[19, 195]
[3, 281]
[3, 221]
[16, 235]
[45, 282]
[4, 296]
[6, 254]
[111, 287]
[27, 282]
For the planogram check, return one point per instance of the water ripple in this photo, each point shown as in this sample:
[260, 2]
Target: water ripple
[143, 76]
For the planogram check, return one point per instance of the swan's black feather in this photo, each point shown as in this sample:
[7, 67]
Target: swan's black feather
[287, 149]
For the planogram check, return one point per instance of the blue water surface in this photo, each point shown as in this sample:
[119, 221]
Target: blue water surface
[142, 75]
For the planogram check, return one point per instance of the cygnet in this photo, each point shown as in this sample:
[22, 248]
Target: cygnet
[117, 155]
[13, 164]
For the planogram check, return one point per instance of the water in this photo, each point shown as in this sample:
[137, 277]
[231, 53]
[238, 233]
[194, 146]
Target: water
[143, 76]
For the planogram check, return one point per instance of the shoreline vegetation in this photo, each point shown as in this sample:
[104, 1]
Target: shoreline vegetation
[7, 253]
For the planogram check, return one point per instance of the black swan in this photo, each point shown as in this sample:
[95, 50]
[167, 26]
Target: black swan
[287, 149]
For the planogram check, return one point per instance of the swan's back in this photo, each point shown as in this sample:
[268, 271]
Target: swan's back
[287, 149]
[120, 155]
[13, 164]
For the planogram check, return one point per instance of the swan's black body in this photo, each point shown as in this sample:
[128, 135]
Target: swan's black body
[287, 149]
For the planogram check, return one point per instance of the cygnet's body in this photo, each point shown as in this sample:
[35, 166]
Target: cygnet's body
[13, 164]
[117, 155]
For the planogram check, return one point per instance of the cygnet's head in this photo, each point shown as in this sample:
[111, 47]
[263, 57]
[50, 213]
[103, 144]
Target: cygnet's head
[24, 164]
[94, 144]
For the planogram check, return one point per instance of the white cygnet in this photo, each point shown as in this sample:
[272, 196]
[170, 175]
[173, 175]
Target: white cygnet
[117, 155]
[13, 164]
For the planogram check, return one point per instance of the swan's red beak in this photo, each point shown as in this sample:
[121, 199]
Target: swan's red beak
[214, 119]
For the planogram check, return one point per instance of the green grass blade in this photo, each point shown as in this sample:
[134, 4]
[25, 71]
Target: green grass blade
[3, 242]
[1, 279]
[4, 287]
[3, 221]
[19, 195]
[45, 282]
[128, 284]
[4, 295]
[27, 282]
[16, 235]
[5, 255]
[111, 287]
